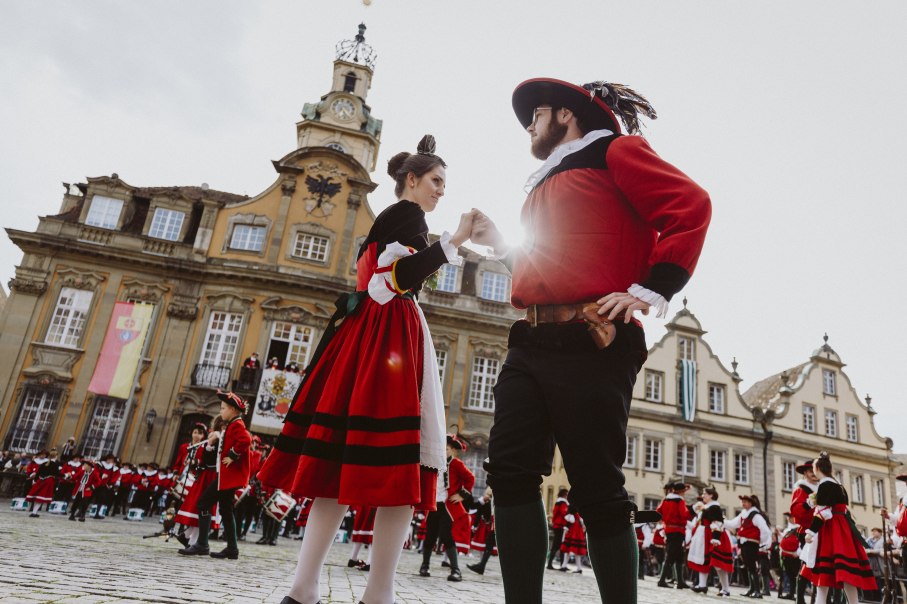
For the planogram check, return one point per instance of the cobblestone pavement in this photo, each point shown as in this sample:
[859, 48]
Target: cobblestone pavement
[50, 559]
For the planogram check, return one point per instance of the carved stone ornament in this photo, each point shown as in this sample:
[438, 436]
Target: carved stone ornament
[133, 289]
[70, 277]
[55, 361]
[27, 286]
[483, 348]
[323, 181]
[288, 186]
[289, 314]
[186, 312]
[228, 301]
[443, 341]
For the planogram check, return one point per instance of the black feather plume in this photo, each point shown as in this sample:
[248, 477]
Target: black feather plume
[625, 102]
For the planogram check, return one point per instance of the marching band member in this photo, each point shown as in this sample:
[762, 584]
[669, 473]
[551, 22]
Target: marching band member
[87, 480]
[790, 556]
[68, 471]
[834, 555]
[103, 495]
[484, 538]
[450, 522]
[558, 525]
[753, 535]
[199, 432]
[363, 533]
[122, 485]
[204, 463]
[43, 471]
[710, 546]
[674, 514]
[643, 542]
[233, 467]
[574, 541]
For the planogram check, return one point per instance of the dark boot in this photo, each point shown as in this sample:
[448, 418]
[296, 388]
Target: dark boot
[480, 567]
[426, 562]
[454, 566]
[801, 590]
[678, 571]
[615, 560]
[522, 537]
[232, 550]
[201, 545]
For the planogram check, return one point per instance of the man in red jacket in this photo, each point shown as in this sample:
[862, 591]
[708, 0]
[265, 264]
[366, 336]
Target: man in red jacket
[675, 514]
[233, 468]
[86, 481]
[801, 512]
[611, 229]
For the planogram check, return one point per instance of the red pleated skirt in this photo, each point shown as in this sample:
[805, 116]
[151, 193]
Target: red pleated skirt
[42, 491]
[575, 540]
[716, 556]
[840, 557]
[188, 512]
[364, 525]
[352, 433]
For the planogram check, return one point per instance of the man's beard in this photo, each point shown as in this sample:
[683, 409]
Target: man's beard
[545, 142]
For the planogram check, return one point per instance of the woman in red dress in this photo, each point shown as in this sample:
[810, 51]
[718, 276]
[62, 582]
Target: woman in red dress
[204, 465]
[367, 425]
[710, 546]
[43, 470]
[574, 541]
[834, 555]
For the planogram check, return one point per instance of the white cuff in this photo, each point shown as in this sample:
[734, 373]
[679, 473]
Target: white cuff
[450, 250]
[651, 298]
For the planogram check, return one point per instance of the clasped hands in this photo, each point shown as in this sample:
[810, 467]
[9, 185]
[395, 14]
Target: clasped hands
[480, 229]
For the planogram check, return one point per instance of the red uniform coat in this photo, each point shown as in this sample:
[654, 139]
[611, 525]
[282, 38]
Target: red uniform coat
[364, 525]
[633, 218]
[254, 462]
[901, 526]
[108, 475]
[94, 481]
[461, 481]
[558, 513]
[236, 444]
[790, 544]
[674, 514]
[180, 457]
[800, 511]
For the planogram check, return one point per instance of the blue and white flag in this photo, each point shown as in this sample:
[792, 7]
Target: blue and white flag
[688, 389]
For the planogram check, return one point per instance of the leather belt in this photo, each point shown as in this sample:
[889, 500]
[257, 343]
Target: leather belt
[601, 329]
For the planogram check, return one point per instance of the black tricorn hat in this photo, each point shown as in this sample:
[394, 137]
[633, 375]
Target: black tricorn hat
[751, 498]
[901, 477]
[232, 399]
[803, 467]
[455, 442]
[677, 485]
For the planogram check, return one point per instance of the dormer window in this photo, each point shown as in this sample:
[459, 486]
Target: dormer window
[166, 224]
[349, 82]
[104, 212]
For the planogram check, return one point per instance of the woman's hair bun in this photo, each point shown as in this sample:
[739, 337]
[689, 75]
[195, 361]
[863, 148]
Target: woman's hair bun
[427, 145]
[824, 455]
[395, 163]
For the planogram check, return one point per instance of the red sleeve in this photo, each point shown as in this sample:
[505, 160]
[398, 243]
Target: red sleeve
[466, 478]
[237, 440]
[670, 202]
[181, 457]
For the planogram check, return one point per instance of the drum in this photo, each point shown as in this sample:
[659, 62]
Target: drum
[183, 484]
[279, 505]
[241, 494]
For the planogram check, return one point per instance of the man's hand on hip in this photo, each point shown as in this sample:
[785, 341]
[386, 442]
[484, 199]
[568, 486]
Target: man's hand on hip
[621, 302]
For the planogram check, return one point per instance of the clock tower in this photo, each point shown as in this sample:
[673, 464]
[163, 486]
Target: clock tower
[342, 120]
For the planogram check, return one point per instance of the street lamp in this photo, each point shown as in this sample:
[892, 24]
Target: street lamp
[149, 423]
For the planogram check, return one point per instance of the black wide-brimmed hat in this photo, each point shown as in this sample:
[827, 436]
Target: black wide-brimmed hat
[751, 498]
[598, 105]
[677, 485]
[901, 477]
[803, 467]
[232, 399]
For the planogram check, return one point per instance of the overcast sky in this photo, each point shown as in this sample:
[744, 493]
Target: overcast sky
[791, 114]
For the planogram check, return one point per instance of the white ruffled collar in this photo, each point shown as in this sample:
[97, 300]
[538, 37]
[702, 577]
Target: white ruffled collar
[562, 151]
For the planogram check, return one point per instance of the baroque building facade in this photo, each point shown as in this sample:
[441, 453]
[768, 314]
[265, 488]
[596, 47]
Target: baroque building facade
[689, 420]
[224, 275]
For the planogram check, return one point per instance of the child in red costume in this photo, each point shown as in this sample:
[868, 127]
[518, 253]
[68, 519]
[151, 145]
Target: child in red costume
[233, 467]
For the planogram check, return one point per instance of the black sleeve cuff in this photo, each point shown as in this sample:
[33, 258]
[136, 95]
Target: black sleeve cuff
[666, 279]
[816, 525]
[232, 454]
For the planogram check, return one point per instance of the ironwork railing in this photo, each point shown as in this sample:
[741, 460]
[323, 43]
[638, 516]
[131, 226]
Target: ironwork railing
[248, 380]
[207, 375]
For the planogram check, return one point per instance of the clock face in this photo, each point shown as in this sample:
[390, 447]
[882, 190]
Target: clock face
[343, 109]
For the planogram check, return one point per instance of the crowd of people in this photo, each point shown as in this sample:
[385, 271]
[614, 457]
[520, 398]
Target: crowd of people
[818, 549]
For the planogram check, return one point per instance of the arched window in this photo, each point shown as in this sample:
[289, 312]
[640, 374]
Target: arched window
[349, 84]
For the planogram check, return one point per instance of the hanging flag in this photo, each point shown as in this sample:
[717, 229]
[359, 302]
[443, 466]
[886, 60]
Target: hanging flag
[688, 389]
[121, 352]
[275, 395]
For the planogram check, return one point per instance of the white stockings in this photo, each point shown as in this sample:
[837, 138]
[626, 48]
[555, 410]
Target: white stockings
[321, 529]
[849, 590]
[391, 528]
